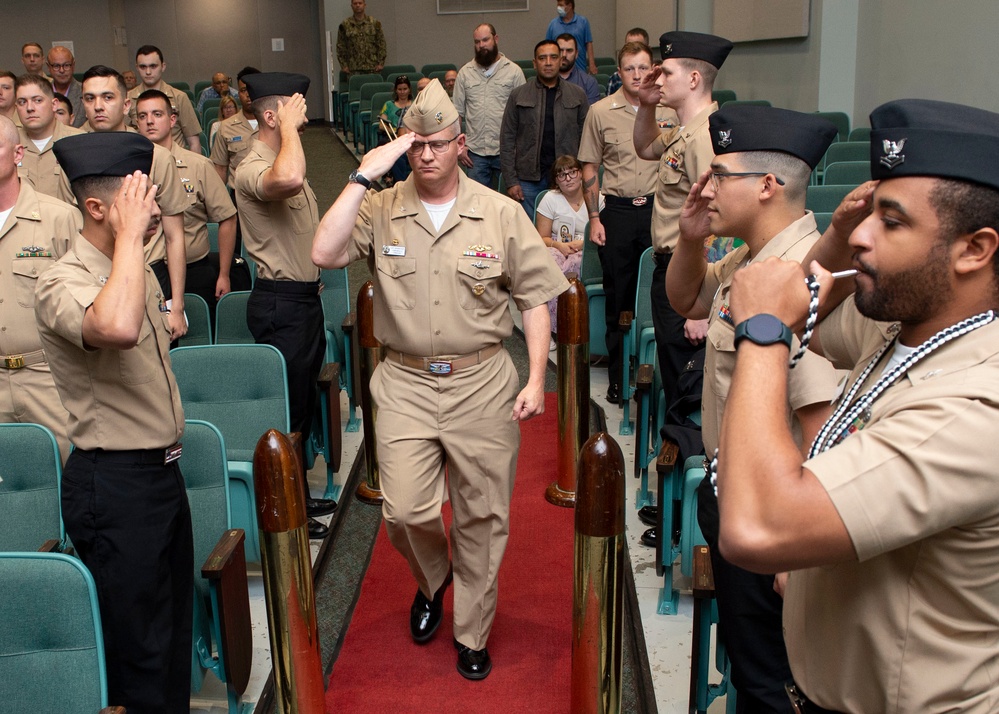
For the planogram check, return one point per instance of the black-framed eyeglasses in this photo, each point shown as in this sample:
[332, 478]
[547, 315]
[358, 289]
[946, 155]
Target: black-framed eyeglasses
[64, 65]
[438, 146]
[567, 174]
[717, 176]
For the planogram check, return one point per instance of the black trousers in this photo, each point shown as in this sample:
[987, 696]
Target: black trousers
[162, 274]
[128, 517]
[749, 622]
[628, 230]
[202, 276]
[289, 316]
[675, 350]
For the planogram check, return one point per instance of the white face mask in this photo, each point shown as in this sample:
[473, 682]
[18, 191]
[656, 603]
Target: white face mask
[560, 10]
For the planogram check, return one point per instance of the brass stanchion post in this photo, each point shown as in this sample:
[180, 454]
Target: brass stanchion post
[573, 377]
[370, 490]
[598, 592]
[287, 572]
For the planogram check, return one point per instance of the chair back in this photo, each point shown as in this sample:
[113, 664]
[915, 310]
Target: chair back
[356, 82]
[181, 85]
[209, 103]
[378, 100]
[230, 319]
[848, 151]
[29, 492]
[721, 96]
[590, 270]
[851, 173]
[524, 64]
[201, 86]
[51, 644]
[335, 297]
[860, 133]
[199, 330]
[841, 120]
[413, 76]
[643, 300]
[213, 237]
[438, 67]
[210, 114]
[397, 69]
[206, 479]
[825, 199]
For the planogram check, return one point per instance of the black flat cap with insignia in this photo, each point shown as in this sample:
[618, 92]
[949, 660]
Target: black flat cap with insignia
[694, 45]
[923, 137]
[110, 153]
[281, 84]
[753, 128]
[431, 111]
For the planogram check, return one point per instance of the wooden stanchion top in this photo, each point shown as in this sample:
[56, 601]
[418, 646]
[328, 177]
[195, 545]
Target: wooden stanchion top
[600, 488]
[573, 315]
[276, 474]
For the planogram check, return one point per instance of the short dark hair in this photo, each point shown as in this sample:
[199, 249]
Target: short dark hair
[155, 94]
[8, 74]
[639, 31]
[62, 98]
[148, 50]
[36, 79]
[101, 70]
[963, 207]
[542, 44]
[565, 36]
[102, 187]
[246, 71]
[26, 45]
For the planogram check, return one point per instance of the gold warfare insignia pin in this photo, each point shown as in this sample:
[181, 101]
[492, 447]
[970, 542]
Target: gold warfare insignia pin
[478, 289]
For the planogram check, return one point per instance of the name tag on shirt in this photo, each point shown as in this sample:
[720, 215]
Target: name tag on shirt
[394, 250]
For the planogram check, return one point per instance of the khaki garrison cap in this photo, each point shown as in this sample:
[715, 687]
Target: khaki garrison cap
[432, 111]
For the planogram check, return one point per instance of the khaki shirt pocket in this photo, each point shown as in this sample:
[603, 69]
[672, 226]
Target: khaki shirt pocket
[26, 272]
[480, 282]
[138, 364]
[669, 175]
[397, 281]
[301, 216]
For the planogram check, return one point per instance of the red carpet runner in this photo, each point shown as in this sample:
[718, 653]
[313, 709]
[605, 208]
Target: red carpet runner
[380, 668]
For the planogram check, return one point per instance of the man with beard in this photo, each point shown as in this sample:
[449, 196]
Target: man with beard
[571, 73]
[480, 93]
[890, 524]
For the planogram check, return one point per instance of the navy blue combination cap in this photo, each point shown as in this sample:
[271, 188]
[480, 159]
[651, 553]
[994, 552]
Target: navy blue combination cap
[282, 84]
[695, 45]
[922, 137]
[753, 128]
[104, 153]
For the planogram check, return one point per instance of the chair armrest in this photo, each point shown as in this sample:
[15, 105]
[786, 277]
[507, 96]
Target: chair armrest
[704, 576]
[329, 385]
[643, 380]
[112, 710]
[625, 320]
[51, 546]
[225, 570]
[667, 457]
[349, 322]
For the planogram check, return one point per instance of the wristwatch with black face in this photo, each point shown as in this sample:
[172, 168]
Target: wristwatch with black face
[763, 329]
[357, 178]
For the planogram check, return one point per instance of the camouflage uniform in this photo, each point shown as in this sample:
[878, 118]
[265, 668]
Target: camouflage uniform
[360, 45]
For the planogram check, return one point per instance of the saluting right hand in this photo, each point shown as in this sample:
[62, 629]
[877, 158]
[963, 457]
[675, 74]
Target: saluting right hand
[695, 219]
[377, 162]
[293, 111]
[132, 213]
[648, 90]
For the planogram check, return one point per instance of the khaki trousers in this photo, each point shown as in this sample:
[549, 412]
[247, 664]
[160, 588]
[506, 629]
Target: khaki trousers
[29, 396]
[459, 425]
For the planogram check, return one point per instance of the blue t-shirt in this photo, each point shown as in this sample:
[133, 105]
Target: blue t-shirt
[578, 27]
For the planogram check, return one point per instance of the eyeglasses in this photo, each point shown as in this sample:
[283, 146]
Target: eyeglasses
[438, 146]
[566, 174]
[716, 177]
[64, 65]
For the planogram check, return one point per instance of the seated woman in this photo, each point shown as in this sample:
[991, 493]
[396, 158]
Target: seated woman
[392, 113]
[561, 218]
[227, 108]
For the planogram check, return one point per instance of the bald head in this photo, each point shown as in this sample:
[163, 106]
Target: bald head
[220, 82]
[8, 131]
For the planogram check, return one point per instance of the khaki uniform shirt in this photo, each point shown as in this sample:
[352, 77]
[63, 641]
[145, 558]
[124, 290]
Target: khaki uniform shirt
[686, 154]
[278, 234]
[431, 297]
[813, 379]
[187, 120]
[360, 44]
[481, 99]
[208, 200]
[41, 167]
[608, 140]
[913, 624]
[233, 139]
[37, 232]
[117, 399]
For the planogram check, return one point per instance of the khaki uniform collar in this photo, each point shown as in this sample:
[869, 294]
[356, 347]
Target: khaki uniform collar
[407, 203]
[25, 208]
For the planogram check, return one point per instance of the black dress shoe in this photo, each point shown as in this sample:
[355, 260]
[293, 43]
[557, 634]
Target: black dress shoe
[473, 664]
[319, 506]
[614, 394]
[317, 531]
[425, 615]
[649, 515]
[650, 537]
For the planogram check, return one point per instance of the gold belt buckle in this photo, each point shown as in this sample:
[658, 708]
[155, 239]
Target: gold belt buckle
[15, 362]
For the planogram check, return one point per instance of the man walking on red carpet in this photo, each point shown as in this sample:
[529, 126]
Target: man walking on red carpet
[447, 254]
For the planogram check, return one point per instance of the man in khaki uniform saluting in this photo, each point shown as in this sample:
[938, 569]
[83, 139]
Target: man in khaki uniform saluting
[890, 525]
[35, 231]
[103, 322]
[447, 253]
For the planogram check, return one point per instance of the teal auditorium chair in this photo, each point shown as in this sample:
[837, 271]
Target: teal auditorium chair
[437, 74]
[210, 113]
[825, 199]
[181, 85]
[397, 69]
[230, 319]
[721, 96]
[201, 86]
[702, 691]
[592, 277]
[860, 133]
[370, 133]
[339, 94]
[51, 645]
[222, 634]
[30, 508]
[414, 77]
[847, 173]
[530, 73]
[604, 60]
[822, 220]
[638, 344]
[603, 79]
[243, 391]
[439, 67]
[340, 348]
[209, 104]
[353, 96]
[199, 331]
[213, 237]
[525, 64]
[848, 151]
[841, 120]
[365, 108]
[190, 95]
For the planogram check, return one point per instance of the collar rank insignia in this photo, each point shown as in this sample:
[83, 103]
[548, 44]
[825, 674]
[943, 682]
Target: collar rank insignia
[439, 116]
[893, 153]
[724, 138]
